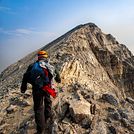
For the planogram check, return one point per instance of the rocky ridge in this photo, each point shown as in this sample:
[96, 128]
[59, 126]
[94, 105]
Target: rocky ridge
[96, 95]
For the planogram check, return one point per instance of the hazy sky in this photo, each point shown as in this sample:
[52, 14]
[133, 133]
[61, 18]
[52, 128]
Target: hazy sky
[26, 25]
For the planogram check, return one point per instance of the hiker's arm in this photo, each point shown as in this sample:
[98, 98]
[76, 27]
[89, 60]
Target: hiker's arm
[57, 78]
[24, 84]
[25, 80]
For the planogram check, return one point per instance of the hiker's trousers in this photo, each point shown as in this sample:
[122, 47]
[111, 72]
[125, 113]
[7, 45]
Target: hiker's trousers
[42, 108]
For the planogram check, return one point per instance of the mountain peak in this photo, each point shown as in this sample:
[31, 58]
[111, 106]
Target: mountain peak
[86, 24]
[97, 79]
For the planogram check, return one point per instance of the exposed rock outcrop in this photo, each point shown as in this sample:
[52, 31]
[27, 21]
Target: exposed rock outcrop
[97, 95]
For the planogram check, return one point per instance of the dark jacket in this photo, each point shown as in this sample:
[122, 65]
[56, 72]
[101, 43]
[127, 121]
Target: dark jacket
[26, 76]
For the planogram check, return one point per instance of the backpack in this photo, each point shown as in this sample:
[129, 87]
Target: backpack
[38, 76]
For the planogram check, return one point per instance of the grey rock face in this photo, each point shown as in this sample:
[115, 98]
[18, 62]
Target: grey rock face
[110, 99]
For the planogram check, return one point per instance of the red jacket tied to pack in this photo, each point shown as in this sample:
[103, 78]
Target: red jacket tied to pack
[48, 88]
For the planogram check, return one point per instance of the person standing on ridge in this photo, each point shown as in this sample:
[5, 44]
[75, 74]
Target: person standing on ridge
[40, 75]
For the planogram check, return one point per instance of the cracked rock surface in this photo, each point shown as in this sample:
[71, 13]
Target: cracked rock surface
[96, 95]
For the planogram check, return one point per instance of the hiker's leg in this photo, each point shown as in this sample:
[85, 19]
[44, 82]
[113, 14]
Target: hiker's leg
[48, 104]
[39, 111]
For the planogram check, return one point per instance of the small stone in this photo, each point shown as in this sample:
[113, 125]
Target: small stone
[66, 120]
[29, 86]
[130, 100]
[22, 131]
[11, 109]
[125, 122]
[26, 103]
[1, 120]
[110, 99]
[109, 109]
[114, 116]
[86, 123]
[132, 121]
[67, 131]
[122, 114]
[112, 130]
[64, 109]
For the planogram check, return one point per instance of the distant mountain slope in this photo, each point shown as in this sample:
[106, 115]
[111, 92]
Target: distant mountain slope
[97, 76]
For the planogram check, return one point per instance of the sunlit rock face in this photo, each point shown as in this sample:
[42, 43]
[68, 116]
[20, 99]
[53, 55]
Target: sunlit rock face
[96, 94]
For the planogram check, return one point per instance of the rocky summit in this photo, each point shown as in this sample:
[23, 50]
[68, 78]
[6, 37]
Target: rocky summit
[96, 95]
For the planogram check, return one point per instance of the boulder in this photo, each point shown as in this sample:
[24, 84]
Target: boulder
[80, 110]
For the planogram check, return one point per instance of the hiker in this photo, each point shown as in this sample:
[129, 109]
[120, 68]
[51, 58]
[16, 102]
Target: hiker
[41, 74]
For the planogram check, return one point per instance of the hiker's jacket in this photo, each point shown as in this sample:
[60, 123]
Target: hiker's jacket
[52, 73]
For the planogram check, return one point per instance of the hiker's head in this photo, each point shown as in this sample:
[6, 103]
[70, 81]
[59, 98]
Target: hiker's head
[42, 55]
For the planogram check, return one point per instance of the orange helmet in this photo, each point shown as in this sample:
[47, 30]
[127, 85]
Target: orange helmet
[42, 54]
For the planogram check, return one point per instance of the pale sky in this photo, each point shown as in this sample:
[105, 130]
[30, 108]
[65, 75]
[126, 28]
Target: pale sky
[26, 25]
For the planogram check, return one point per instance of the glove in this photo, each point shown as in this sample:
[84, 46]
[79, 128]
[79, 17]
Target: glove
[23, 88]
[51, 91]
